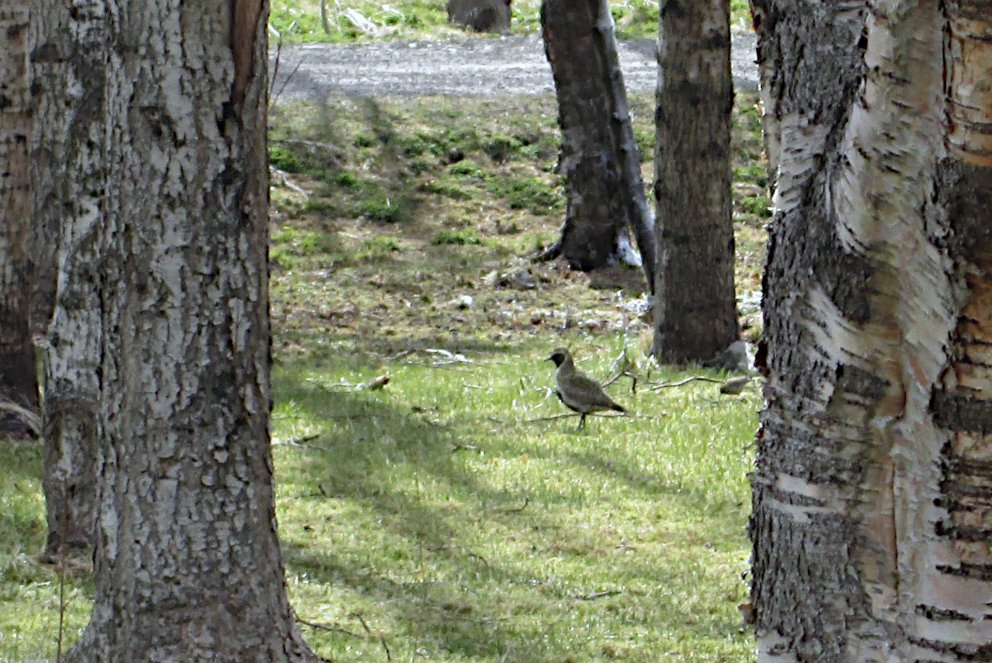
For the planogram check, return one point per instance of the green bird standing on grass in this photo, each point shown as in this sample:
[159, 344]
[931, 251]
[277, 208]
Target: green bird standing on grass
[578, 391]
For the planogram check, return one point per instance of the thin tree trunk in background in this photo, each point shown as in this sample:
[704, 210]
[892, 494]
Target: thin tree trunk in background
[187, 563]
[18, 376]
[599, 158]
[695, 312]
[872, 500]
[70, 84]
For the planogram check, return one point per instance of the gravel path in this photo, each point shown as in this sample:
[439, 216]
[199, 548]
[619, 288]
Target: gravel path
[503, 66]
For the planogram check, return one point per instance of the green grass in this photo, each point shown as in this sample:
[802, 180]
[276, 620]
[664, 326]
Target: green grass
[461, 529]
[439, 509]
[342, 20]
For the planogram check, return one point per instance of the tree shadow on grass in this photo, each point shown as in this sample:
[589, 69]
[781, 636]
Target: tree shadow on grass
[415, 558]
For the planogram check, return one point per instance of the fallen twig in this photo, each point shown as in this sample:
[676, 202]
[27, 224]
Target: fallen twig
[30, 418]
[327, 627]
[518, 509]
[630, 374]
[374, 384]
[283, 178]
[297, 441]
[382, 639]
[452, 357]
[465, 551]
[691, 378]
[597, 595]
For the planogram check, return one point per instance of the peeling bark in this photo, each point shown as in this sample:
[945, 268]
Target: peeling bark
[187, 563]
[695, 312]
[599, 158]
[872, 494]
[18, 379]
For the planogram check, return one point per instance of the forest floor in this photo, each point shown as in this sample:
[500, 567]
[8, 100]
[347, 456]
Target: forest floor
[447, 514]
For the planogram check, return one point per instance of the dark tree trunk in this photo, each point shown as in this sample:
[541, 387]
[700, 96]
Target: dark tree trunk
[599, 158]
[187, 563]
[872, 500]
[18, 376]
[480, 15]
[70, 83]
[695, 313]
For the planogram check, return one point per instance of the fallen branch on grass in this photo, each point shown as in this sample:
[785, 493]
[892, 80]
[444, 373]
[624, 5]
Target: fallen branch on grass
[330, 628]
[281, 178]
[382, 639]
[372, 385]
[28, 417]
[733, 386]
[628, 373]
[691, 378]
[518, 509]
[597, 595]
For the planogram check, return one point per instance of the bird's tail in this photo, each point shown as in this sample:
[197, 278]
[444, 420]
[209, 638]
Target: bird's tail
[616, 407]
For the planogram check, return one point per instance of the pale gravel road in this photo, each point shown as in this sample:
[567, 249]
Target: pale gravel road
[471, 67]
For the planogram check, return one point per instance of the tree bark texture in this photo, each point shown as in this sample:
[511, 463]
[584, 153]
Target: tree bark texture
[69, 79]
[872, 494]
[695, 313]
[599, 158]
[187, 563]
[480, 15]
[18, 378]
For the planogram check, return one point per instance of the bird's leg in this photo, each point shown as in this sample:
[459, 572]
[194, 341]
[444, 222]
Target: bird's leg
[582, 421]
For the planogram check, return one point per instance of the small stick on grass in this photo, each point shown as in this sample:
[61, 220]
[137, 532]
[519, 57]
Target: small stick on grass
[691, 378]
[327, 627]
[382, 639]
[518, 509]
[597, 595]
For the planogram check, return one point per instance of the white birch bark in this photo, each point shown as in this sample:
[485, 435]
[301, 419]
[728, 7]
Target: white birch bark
[68, 169]
[187, 564]
[873, 489]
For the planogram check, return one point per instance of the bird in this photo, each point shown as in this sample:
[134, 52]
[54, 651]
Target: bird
[578, 391]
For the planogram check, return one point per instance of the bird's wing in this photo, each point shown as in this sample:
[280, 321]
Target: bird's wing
[589, 391]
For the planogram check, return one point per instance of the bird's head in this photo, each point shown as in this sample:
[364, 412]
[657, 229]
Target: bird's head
[559, 356]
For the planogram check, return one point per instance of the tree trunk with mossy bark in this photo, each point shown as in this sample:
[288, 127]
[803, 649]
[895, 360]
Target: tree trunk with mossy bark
[872, 500]
[695, 311]
[18, 377]
[187, 563]
[599, 158]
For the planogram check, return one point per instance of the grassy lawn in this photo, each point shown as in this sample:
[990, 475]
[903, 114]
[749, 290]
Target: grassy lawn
[445, 516]
[365, 20]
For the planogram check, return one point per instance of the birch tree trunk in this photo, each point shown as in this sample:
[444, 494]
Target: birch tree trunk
[70, 86]
[872, 495]
[599, 157]
[695, 311]
[18, 379]
[187, 564]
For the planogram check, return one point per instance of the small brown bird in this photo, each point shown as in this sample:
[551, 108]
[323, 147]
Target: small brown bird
[578, 391]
